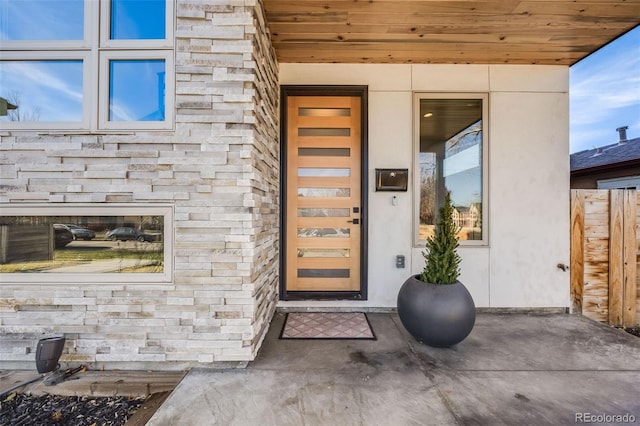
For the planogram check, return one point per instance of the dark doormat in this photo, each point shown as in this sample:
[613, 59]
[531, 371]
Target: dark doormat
[327, 325]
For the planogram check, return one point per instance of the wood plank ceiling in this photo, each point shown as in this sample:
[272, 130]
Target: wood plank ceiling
[459, 31]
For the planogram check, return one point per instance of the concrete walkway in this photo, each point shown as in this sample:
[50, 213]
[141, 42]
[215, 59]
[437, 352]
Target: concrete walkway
[514, 369]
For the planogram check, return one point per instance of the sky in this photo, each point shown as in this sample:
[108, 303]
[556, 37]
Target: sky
[604, 94]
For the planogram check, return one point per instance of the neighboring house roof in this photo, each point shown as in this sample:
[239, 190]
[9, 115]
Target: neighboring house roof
[615, 155]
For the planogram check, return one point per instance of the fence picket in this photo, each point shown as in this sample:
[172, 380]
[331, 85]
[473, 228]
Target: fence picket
[616, 247]
[576, 268]
[629, 261]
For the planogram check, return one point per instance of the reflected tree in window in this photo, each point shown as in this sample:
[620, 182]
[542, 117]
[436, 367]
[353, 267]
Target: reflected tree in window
[21, 113]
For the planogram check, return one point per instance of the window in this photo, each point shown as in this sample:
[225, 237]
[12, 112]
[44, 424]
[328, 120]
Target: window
[56, 54]
[40, 20]
[98, 244]
[137, 19]
[627, 182]
[451, 155]
[47, 90]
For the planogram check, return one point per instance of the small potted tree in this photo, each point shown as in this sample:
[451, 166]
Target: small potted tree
[434, 306]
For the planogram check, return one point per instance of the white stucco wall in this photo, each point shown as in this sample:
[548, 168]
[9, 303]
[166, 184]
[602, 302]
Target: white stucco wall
[528, 178]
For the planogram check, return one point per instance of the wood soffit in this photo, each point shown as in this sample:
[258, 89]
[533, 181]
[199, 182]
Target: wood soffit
[547, 32]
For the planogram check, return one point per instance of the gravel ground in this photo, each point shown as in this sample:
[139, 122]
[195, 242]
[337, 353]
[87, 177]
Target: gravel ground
[23, 409]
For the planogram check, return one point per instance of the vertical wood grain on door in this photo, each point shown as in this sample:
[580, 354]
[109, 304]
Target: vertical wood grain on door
[323, 184]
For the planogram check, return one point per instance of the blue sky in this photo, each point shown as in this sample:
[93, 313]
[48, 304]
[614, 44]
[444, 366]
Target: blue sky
[605, 94]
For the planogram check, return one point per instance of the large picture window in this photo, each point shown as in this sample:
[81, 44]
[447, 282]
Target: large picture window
[52, 52]
[450, 157]
[99, 244]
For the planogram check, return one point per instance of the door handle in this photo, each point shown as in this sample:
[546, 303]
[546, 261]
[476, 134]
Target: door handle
[354, 221]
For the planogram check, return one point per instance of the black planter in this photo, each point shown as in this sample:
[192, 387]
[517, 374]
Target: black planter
[435, 314]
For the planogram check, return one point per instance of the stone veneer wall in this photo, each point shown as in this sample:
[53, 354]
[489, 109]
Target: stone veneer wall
[219, 168]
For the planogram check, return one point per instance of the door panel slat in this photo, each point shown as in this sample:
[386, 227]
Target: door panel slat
[322, 102]
[327, 122]
[324, 141]
[324, 222]
[324, 162]
[322, 182]
[326, 202]
[337, 243]
[325, 284]
[323, 262]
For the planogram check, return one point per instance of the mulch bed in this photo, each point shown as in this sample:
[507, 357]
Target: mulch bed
[633, 330]
[24, 409]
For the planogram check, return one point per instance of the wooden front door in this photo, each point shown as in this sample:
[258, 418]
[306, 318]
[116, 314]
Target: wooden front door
[323, 187]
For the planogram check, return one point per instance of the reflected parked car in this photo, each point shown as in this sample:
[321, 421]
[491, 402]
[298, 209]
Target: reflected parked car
[80, 233]
[62, 235]
[126, 234]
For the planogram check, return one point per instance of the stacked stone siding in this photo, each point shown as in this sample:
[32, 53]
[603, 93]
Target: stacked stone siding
[219, 169]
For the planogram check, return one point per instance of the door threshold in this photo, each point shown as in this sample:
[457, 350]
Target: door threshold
[322, 295]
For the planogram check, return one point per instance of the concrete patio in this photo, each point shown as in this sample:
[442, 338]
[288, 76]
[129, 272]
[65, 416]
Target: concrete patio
[514, 369]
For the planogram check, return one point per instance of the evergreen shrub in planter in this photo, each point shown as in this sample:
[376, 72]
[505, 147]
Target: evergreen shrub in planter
[434, 306]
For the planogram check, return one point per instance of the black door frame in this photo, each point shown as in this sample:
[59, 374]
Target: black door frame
[325, 90]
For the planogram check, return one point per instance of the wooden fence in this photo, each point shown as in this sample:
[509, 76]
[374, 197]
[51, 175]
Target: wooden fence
[20, 243]
[605, 232]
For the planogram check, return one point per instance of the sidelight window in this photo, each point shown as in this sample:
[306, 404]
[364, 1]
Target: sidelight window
[451, 156]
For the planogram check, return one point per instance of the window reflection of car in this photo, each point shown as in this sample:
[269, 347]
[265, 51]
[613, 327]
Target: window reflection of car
[80, 233]
[62, 235]
[127, 234]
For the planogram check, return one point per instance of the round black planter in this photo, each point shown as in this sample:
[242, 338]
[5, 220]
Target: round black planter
[435, 314]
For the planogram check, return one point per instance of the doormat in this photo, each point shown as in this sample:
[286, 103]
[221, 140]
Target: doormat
[327, 325]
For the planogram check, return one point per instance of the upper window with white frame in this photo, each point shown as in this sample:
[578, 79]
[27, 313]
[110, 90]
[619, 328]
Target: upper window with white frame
[87, 65]
[451, 157]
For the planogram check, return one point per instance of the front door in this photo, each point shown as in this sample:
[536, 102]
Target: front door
[323, 197]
